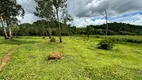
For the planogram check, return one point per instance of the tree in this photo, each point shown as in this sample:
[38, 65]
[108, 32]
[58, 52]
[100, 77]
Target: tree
[9, 10]
[44, 10]
[67, 18]
[106, 17]
[4, 29]
[15, 30]
[88, 30]
[2, 6]
[61, 13]
[13, 21]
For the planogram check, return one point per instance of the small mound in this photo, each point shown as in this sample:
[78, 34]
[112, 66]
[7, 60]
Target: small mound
[53, 40]
[55, 55]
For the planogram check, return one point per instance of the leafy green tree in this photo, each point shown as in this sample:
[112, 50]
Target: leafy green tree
[15, 30]
[44, 10]
[25, 29]
[88, 30]
[60, 13]
[9, 10]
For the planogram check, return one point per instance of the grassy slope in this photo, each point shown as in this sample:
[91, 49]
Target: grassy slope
[82, 60]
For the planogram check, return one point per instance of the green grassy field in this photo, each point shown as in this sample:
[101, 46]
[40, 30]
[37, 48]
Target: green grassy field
[83, 61]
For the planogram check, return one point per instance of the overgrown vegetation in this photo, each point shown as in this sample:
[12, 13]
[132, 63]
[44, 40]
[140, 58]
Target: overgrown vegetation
[130, 39]
[106, 44]
[35, 29]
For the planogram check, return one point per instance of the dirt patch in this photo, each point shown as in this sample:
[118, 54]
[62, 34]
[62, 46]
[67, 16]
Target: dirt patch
[6, 58]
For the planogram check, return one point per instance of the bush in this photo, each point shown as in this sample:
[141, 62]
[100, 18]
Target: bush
[43, 37]
[53, 40]
[106, 45]
[97, 36]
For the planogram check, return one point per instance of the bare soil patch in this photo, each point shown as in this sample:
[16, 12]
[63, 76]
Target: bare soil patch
[6, 58]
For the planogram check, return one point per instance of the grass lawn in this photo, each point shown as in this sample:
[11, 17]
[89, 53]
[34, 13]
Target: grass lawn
[83, 61]
[5, 47]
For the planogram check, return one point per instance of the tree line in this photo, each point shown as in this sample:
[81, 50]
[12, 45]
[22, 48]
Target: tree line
[55, 16]
[48, 10]
[41, 28]
[118, 29]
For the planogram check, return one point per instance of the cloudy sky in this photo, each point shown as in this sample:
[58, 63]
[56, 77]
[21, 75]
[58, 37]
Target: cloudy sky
[86, 12]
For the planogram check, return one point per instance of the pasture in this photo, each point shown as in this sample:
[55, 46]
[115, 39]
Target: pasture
[82, 60]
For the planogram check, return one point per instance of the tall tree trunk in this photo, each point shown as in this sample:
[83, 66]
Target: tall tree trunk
[60, 33]
[88, 36]
[43, 35]
[49, 31]
[106, 24]
[5, 33]
[10, 31]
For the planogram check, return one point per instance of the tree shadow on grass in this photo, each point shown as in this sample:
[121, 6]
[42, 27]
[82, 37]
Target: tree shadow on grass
[17, 42]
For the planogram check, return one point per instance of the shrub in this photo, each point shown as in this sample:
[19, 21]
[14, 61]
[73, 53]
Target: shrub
[43, 37]
[97, 36]
[106, 45]
[53, 40]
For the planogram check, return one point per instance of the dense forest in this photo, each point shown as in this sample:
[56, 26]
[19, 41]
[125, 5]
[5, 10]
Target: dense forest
[40, 28]
[118, 29]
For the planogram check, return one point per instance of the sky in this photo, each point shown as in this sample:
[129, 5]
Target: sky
[88, 12]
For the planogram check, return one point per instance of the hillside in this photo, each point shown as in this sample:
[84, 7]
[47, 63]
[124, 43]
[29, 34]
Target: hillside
[119, 28]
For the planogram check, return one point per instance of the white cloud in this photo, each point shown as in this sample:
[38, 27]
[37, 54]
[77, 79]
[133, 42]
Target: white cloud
[28, 18]
[90, 8]
[29, 7]
[80, 22]
[84, 10]
[136, 20]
